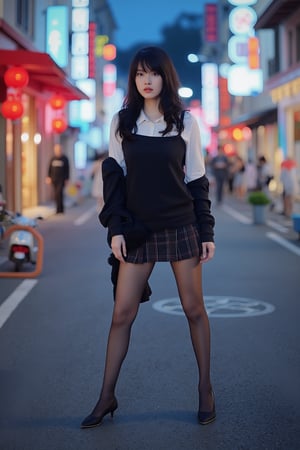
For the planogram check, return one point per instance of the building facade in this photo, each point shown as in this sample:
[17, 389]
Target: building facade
[272, 114]
[29, 40]
[281, 19]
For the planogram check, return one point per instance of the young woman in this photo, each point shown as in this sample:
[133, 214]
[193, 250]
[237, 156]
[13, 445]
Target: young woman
[157, 145]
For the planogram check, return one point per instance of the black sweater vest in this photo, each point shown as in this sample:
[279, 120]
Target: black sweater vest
[155, 189]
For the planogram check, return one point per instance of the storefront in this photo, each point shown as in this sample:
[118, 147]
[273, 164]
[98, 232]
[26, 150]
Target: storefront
[26, 143]
[285, 92]
[283, 84]
[252, 135]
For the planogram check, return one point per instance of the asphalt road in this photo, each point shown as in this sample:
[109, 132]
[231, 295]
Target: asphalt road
[52, 347]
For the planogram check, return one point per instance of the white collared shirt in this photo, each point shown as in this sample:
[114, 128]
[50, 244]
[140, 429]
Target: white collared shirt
[194, 160]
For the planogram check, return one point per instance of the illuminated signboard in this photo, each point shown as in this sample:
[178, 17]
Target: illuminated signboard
[57, 38]
[238, 49]
[100, 41]
[84, 111]
[88, 107]
[245, 78]
[210, 93]
[80, 154]
[211, 22]
[79, 67]
[91, 51]
[80, 3]
[244, 81]
[80, 19]
[242, 20]
[80, 44]
[109, 79]
[242, 2]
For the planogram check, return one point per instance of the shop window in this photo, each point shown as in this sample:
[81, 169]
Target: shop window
[274, 63]
[24, 15]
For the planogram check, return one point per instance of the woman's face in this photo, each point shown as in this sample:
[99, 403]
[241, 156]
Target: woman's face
[148, 83]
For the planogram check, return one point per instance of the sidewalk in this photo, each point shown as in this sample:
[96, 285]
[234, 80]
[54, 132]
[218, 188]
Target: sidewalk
[47, 210]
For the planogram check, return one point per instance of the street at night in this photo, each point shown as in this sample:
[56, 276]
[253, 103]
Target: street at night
[52, 345]
[149, 156]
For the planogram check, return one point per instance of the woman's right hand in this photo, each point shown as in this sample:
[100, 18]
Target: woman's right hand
[118, 246]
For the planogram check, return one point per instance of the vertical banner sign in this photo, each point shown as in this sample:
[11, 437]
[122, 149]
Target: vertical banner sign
[57, 38]
[92, 59]
[211, 22]
[210, 93]
[244, 76]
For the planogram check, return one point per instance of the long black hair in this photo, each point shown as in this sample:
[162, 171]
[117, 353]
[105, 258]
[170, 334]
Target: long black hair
[154, 59]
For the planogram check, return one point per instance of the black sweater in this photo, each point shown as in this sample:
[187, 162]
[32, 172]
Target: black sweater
[155, 187]
[155, 191]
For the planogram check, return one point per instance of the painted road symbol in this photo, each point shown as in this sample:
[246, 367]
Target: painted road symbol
[218, 306]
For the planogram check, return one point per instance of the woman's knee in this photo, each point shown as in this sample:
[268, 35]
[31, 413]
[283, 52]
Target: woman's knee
[123, 316]
[194, 311]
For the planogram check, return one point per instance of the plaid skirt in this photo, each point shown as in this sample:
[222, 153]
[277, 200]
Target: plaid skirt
[168, 245]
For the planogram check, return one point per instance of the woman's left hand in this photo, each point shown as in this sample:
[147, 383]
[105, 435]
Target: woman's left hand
[208, 251]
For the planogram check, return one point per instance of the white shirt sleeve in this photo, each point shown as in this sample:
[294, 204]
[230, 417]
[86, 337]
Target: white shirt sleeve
[194, 159]
[115, 144]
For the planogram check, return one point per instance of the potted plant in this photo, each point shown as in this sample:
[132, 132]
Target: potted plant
[259, 200]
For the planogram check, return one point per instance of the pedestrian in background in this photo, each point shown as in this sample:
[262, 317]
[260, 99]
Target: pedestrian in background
[251, 176]
[230, 176]
[239, 184]
[157, 145]
[264, 177]
[220, 167]
[97, 181]
[289, 180]
[264, 173]
[58, 176]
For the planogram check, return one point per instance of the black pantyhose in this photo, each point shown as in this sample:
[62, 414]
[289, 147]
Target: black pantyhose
[131, 282]
[188, 275]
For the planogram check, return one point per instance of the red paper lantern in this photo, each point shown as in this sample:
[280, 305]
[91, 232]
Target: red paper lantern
[57, 102]
[12, 109]
[16, 77]
[59, 125]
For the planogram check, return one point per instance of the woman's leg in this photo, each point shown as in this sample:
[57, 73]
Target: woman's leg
[131, 282]
[188, 275]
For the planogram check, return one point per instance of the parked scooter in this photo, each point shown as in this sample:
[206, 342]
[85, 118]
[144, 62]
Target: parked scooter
[22, 246]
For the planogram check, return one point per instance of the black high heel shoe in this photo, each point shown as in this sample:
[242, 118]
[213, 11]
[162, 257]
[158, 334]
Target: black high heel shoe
[206, 417]
[94, 421]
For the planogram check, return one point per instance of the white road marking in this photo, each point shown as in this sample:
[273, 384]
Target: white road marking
[277, 226]
[86, 216]
[14, 299]
[236, 215]
[284, 242]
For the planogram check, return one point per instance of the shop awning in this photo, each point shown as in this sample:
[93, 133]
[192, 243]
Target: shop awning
[276, 13]
[44, 73]
[253, 119]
